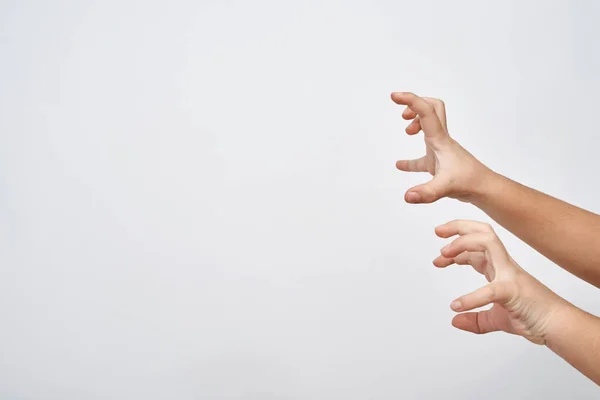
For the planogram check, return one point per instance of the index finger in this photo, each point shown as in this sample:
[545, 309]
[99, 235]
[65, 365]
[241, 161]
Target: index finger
[474, 242]
[462, 227]
[430, 122]
[440, 110]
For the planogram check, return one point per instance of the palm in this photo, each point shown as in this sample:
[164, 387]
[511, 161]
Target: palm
[513, 321]
[498, 318]
[431, 161]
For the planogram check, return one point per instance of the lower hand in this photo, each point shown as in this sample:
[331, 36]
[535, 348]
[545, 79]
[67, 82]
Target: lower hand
[521, 304]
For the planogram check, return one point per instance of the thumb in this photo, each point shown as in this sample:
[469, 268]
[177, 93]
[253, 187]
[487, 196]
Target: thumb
[428, 192]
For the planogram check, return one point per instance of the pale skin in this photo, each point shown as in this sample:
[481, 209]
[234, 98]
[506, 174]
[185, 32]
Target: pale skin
[566, 234]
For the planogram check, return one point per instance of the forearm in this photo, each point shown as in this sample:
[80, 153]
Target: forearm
[575, 336]
[567, 235]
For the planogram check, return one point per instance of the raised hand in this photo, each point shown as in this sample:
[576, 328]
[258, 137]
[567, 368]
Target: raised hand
[456, 173]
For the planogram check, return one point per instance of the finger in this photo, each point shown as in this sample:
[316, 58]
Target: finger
[491, 293]
[428, 192]
[438, 106]
[443, 262]
[462, 259]
[417, 104]
[430, 122]
[475, 259]
[476, 322]
[414, 127]
[474, 242]
[408, 114]
[418, 165]
[462, 227]
[440, 110]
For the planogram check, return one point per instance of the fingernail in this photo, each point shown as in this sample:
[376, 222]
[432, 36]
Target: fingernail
[456, 305]
[446, 247]
[413, 197]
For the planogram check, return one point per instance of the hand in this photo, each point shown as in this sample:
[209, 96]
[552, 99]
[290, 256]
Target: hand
[521, 304]
[456, 173]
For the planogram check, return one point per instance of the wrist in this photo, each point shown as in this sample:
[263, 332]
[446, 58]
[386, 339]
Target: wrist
[474, 182]
[560, 320]
[487, 184]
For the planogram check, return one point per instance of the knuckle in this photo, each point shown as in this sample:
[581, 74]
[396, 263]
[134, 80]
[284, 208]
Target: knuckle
[490, 238]
[490, 292]
[463, 259]
[488, 228]
[507, 291]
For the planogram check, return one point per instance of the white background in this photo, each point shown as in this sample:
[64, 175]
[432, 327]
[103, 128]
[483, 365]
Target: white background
[198, 199]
